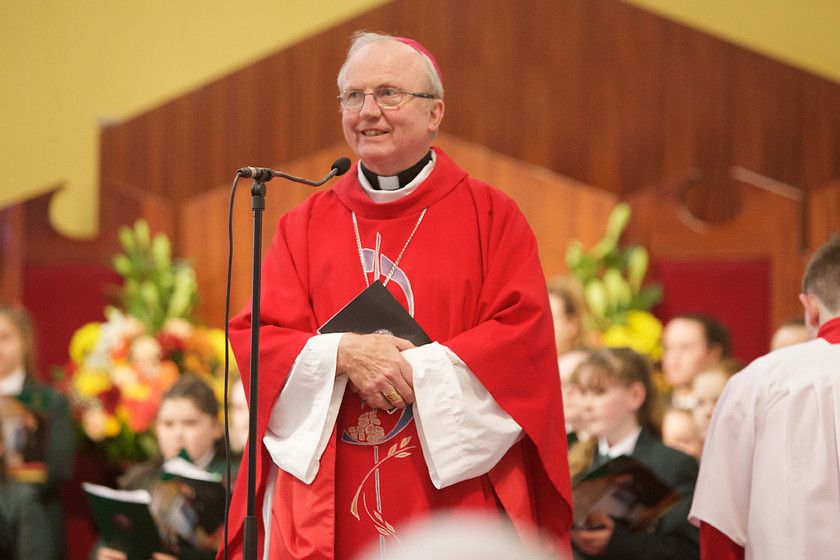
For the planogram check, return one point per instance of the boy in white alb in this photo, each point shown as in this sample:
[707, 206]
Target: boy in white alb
[769, 484]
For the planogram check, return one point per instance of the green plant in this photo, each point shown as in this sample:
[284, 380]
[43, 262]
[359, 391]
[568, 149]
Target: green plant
[155, 288]
[612, 276]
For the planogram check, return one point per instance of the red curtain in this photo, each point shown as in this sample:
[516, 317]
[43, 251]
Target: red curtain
[735, 292]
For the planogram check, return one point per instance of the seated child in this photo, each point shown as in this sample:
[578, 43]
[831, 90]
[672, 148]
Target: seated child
[680, 431]
[707, 388]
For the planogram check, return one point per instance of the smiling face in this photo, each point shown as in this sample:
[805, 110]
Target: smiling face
[392, 140]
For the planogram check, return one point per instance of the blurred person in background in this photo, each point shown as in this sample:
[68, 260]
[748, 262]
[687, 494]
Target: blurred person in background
[690, 343]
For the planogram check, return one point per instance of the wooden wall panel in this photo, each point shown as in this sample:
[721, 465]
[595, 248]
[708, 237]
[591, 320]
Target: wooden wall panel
[204, 239]
[596, 92]
[558, 209]
[599, 91]
[824, 214]
[766, 228]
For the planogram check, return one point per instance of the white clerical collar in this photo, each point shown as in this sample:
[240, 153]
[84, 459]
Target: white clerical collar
[381, 196]
[624, 446]
[12, 384]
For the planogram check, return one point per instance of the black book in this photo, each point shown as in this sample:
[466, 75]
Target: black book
[376, 310]
[124, 520]
[625, 489]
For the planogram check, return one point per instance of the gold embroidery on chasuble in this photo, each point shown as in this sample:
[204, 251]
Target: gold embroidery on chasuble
[380, 440]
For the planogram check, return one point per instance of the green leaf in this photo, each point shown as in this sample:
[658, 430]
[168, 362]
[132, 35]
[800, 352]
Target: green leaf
[574, 254]
[122, 265]
[596, 298]
[617, 290]
[605, 247]
[161, 252]
[637, 264]
[141, 235]
[126, 236]
[618, 220]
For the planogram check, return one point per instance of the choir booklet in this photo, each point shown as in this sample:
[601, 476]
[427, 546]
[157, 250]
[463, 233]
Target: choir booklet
[124, 520]
[204, 492]
[376, 310]
[626, 490]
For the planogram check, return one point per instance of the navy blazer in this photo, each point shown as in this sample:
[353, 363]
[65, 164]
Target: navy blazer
[60, 447]
[672, 537]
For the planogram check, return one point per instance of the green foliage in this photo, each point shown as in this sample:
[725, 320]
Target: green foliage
[612, 277]
[155, 288]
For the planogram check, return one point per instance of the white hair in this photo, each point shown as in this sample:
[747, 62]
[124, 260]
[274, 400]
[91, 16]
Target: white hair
[362, 39]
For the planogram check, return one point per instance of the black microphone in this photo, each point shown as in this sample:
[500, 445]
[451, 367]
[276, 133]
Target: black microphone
[264, 174]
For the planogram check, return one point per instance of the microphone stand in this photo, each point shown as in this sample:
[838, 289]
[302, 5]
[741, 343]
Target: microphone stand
[258, 192]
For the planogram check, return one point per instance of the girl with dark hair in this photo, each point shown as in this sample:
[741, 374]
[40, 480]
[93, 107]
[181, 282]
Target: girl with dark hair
[187, 423]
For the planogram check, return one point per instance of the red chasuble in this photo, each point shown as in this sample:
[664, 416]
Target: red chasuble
[471, 278]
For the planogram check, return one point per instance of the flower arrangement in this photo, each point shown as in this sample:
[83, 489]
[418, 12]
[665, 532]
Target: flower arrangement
[612, 278]
[120, 368]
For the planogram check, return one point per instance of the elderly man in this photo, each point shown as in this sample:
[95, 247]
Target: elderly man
[769, 484]
[362, 433]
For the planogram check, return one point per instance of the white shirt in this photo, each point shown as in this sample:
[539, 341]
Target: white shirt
[624, 446]
[12, 384]
[770, 471]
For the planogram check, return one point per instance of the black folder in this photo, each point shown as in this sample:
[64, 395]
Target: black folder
[376, 310]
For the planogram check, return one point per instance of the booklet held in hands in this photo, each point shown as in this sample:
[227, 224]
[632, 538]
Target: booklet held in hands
[124, 520]
[626, 490]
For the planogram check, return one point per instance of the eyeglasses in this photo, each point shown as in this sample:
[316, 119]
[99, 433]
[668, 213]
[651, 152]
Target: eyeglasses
[386, 97]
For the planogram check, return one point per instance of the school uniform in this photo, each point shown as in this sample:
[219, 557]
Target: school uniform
[56, 440]
[672, 537]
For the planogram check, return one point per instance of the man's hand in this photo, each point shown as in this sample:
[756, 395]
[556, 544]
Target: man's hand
[376, 369]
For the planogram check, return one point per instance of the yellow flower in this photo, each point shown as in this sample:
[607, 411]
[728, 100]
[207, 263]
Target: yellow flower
[217, 341]
[113, 426]
[137, 392]
[90, 383]
[98, 424]
[640, 331]
[84, 341]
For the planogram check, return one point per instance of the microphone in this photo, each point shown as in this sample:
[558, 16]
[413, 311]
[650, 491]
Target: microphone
[264, 174]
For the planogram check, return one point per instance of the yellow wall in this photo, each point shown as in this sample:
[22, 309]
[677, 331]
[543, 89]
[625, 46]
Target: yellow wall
[68, 65]
[802, 33]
